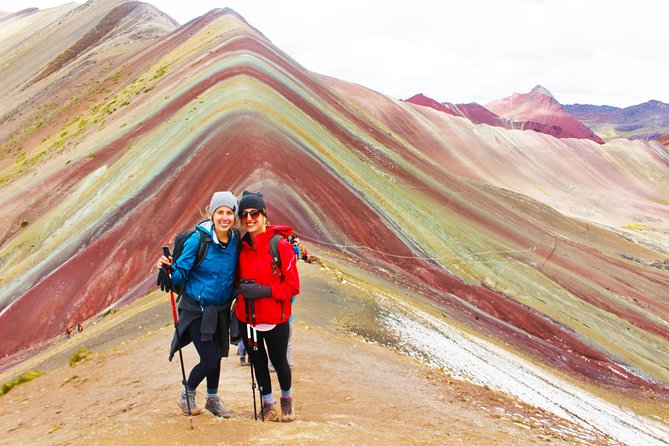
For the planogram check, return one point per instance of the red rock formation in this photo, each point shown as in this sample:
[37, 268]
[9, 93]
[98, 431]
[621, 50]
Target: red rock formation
[421, 99]
[540, 106]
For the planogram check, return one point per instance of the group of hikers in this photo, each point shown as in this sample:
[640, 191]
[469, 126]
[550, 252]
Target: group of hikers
[70, 330]
[300, 251]
[245, 282]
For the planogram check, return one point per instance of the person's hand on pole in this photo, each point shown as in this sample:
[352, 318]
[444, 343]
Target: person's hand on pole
[164, 266]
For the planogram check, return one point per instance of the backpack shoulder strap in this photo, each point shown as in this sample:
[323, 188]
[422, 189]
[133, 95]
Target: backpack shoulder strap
[238, 240]
[202, 247]
[274, 250]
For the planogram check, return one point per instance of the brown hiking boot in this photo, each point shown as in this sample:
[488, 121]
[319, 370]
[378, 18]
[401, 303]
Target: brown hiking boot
[287, 411]
[183, 404]
[215, 406]
[268, 412]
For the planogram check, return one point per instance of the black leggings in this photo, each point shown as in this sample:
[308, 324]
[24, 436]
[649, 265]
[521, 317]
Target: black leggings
[277, 346]
[210, 363]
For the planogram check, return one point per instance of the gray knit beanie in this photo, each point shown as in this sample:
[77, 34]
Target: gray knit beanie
[225, 198]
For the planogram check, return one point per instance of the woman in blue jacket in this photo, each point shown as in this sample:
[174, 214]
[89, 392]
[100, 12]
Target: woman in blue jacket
[204, 307]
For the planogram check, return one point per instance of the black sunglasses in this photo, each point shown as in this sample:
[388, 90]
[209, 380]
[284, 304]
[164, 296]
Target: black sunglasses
[253, 213]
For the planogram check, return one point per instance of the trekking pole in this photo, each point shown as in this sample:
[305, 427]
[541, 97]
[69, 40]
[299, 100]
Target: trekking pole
[255, 351]
[253, 381]
[166, 253]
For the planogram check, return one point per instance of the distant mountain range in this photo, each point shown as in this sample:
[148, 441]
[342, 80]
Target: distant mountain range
[539, 111]
[649, 120]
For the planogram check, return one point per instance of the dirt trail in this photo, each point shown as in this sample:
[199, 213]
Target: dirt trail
[347, 391]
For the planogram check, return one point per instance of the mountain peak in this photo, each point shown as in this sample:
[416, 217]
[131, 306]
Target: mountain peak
[654, 103]
[541, 91]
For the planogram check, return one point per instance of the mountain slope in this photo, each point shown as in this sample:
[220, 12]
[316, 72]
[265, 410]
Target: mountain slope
[64, 42]
[551, 247]
[537, 166]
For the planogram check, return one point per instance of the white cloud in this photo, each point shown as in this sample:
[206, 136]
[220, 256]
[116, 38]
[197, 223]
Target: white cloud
[588, 51]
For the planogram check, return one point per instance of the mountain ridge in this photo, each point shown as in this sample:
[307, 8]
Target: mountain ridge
[478, 114]
[647, 121]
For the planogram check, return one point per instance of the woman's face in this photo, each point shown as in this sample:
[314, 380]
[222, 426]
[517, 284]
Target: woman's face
[223, 218]
[253, 221]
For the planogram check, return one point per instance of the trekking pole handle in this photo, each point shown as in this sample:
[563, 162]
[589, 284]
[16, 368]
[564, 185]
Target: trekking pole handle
[166, 253]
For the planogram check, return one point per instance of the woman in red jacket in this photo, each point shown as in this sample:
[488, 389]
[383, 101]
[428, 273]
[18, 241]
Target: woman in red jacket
[263, 302]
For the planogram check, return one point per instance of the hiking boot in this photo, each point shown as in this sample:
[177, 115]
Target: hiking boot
[242, 361]
[268, 411]
[287, 411]
[215, 406]
[183, 404]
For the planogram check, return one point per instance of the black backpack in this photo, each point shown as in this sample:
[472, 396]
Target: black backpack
[202, 248]
[274, 250]
[205, 240]
[177, 250]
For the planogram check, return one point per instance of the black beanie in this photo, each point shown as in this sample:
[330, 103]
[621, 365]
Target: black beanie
[252, 200]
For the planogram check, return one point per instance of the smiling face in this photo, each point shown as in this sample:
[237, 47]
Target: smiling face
[223, 219]
[253, 221]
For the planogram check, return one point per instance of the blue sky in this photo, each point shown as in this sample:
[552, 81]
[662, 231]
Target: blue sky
[609, 52]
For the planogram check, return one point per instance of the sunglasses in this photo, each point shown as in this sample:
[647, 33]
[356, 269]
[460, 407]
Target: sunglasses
[253, 213]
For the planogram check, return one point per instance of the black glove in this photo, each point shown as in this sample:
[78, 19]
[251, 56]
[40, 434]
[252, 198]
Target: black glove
[164, 280]
[251, 290]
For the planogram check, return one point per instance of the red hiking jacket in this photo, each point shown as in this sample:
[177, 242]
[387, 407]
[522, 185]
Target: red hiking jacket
[256, 264]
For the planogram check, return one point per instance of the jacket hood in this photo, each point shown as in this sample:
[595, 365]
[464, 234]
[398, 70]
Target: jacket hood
[207, 226]
[282, 230]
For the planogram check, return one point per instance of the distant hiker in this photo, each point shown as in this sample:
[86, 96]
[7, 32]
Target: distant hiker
[204, 309]
[236, 337]
[296, 249]
[241, 351]
[264, 301]
[68, 333]
[79, 328]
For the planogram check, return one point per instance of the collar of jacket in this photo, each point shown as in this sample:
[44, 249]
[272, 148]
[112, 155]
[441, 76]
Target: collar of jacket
[262, 239]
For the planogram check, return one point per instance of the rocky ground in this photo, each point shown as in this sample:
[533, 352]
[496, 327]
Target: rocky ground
[347, 390]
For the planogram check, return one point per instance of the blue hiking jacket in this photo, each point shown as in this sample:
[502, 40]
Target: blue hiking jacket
[213, 281]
